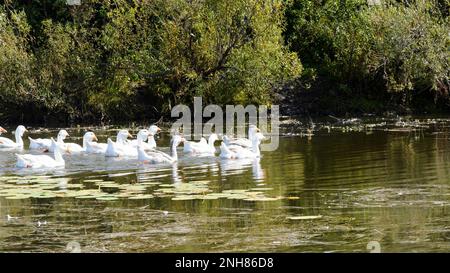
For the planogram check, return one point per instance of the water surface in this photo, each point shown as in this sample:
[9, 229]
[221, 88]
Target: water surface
[382, 181]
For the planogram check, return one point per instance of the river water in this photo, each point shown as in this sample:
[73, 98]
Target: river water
[344, 189]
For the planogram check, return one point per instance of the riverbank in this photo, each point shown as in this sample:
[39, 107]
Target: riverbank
[323, 97]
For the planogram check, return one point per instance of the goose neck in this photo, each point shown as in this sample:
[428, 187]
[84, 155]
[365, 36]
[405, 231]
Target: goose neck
[174, 152]
[85, 141]
[151, 140]
[57, 154]
[255, 147]
[18, 136]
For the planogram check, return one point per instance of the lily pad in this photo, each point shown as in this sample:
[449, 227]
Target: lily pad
[107, 198]
[141, 197]
[17, 197]
[309, 217]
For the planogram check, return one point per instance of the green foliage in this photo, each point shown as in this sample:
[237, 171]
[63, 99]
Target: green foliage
[16, 63]
[226, 51]
[130, 59]
[404, 46]
[411, 47]
[118, 59]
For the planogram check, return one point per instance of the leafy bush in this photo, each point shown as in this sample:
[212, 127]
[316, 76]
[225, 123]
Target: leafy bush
[403, 46]
[119, 59]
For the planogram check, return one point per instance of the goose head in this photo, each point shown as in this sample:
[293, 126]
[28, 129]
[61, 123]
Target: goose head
[154, 129]
[258, 137]
[256, 141]
[123, 135]
[90, 137]
[252, 129]
[21, 130]
[143, 134]
[2, 130]
[176, 140]
[62, 135]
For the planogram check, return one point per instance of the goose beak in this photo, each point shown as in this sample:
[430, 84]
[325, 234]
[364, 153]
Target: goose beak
[95, 138]
[3, 130]
[129, 135]
[158, 130]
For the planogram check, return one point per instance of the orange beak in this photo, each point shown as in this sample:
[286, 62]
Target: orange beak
[3, 130]
[95, 138]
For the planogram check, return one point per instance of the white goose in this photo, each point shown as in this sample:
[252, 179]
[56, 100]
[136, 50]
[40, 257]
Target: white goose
[100, 148]
[244, 142]
[41, 161]
[155, 157]
[121, 147]
[141, 138]
[46, 143]
[238, 152]
[201, 147]
[151, 144]
[151, 138]
[8, 143]
[76, 148]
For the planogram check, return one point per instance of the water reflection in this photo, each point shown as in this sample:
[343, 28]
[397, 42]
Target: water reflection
[258, 172]
[236, 166]
[176, 178]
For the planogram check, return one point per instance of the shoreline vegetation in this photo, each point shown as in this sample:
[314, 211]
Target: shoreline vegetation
[120, 61]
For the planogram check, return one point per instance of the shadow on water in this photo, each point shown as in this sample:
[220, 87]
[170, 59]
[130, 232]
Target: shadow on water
[361, 183]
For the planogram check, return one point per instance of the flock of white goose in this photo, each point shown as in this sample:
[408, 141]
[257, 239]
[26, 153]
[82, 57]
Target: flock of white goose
[143, 148]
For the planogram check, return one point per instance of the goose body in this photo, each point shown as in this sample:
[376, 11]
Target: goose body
[243, 142]
[239, 152]
[73, 147]
[93, 147]
[201, 147]
[122, 147]
[128, 149]
[46, 143]
[102, 148]
[155, 157]
[8, 143]
[88, 137]
[151, 143]
[115, 149]
[96, 148]
[191, 147]
[41, 161]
